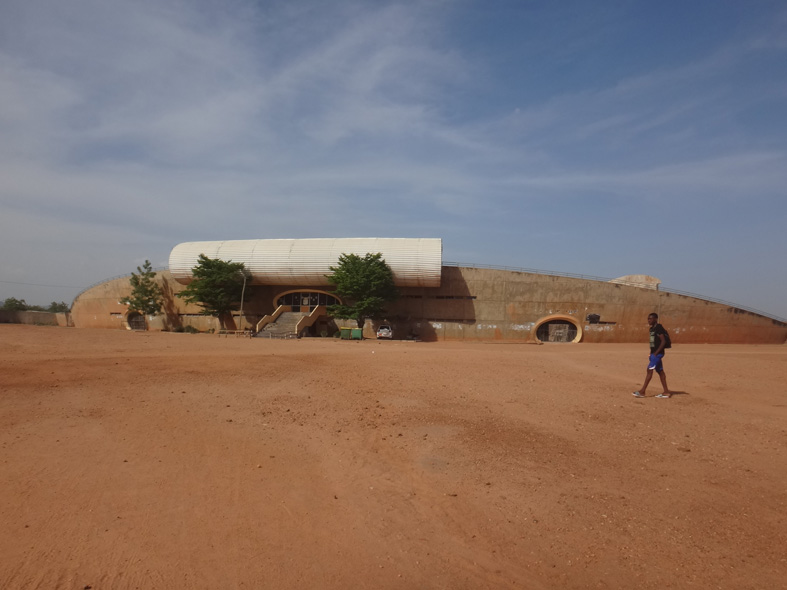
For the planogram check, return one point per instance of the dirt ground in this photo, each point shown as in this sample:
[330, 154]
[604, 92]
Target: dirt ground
[162, 460]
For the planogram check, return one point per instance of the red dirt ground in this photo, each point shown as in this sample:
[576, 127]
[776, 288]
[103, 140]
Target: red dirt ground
[161, 460]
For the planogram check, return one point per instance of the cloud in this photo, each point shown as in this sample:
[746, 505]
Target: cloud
[158, 122]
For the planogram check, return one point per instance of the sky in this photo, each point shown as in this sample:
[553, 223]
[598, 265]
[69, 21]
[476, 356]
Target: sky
[594, 138]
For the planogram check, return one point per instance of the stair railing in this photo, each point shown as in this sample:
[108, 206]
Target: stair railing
[269, 319]
[308, 320]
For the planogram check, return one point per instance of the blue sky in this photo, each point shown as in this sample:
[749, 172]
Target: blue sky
[598, 138]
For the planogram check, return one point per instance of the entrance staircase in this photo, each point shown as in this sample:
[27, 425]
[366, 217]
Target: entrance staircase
[285, 326]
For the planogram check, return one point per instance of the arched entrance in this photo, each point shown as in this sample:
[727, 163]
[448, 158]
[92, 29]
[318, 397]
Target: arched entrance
[558, 328]
[301, 303]
[136, 321]
[305, 301]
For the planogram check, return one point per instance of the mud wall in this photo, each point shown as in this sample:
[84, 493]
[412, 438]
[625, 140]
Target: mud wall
[485, 304]
[482, 304]
[35, 318]
[100, 307]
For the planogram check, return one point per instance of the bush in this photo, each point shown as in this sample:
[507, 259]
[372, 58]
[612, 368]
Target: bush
[185, 329]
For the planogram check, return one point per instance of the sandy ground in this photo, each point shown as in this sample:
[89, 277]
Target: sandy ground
[158, 460]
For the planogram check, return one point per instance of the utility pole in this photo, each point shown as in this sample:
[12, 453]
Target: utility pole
[242, 297]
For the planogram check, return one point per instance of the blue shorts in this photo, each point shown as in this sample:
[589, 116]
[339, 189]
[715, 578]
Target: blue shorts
[654, 362]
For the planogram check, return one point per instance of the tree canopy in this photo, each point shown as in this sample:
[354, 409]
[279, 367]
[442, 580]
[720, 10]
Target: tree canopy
[365, 284]
[56, 307]
[146, 297]
[14, 304]
[217, 286]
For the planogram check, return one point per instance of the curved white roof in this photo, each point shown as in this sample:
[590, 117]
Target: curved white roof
[415, 262]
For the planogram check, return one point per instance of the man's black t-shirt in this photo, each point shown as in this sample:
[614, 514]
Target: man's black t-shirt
[655, 341]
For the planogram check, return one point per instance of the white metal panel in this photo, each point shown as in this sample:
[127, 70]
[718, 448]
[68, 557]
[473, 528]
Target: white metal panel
[184, 257]
[415, 262]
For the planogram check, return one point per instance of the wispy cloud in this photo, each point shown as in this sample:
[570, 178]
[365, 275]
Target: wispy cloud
[168, 121]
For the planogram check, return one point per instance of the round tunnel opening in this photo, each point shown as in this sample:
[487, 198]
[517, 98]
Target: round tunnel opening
[136, 321]
[557, 330]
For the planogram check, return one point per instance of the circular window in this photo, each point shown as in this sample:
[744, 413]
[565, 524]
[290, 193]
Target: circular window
[558, 329]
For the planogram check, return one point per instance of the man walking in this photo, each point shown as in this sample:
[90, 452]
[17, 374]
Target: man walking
[658, 342]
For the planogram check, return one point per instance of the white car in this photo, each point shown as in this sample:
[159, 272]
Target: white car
[384, 331]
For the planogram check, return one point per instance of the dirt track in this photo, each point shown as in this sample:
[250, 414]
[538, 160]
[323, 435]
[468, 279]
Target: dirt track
[158, 460]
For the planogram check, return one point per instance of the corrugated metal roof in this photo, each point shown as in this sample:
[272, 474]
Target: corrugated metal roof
[415, 262]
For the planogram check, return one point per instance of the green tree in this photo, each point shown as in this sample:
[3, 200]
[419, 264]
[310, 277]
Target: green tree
[365, 284]
[14, 304]
[56, 307]
[146, 297]
[217, 287]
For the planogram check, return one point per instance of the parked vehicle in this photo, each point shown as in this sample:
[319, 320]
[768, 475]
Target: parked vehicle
[385, 331]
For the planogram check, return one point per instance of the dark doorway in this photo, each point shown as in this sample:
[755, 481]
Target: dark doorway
[557, 331]
[136, 321]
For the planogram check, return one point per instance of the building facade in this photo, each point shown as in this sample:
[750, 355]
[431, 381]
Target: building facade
[438, 301]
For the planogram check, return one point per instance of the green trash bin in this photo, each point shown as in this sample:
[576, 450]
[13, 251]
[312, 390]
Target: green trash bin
[345, 333]
[357, 334]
